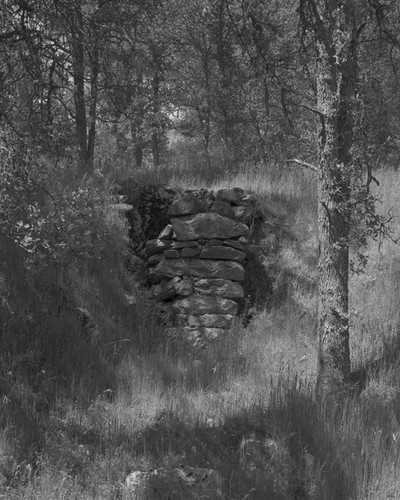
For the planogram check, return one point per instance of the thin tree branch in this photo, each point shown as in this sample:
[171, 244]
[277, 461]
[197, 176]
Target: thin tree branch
[303, 164]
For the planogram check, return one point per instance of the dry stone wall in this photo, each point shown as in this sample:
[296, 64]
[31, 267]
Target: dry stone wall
[197, 264]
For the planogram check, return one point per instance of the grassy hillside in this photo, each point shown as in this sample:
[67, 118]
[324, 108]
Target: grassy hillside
[245, 406]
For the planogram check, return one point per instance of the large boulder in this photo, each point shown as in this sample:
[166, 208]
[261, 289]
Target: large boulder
[207, 226]
[200, 268]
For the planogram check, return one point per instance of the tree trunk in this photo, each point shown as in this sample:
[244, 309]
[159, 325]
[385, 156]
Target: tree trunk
[155, 136]
[332, 24]
[79, 88]
[92, 112]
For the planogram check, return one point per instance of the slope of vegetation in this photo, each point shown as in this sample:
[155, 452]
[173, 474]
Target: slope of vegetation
[113, 397]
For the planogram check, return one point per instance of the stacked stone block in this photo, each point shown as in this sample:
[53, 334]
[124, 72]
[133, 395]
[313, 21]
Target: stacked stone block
[197, 262]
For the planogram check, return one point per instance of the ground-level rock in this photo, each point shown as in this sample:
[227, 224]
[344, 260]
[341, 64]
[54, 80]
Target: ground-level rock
[211, 320]
[181, 483]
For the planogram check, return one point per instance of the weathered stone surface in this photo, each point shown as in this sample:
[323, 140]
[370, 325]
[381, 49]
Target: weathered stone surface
[187, 204]
[122, 207]
[205, 304]
[172, 254]
[167, 233]
[244, 214]
[208, 226]
[219, 287]
[214, 242]
[249, 200]
[222, 208]
[155, 259]
[156, 246]
[164, 290]
[204, 333]
[211, 320]
[184, 244]
[183, 286]
[234, 244]
[222, 253]
[200, 268]
[232, 196]
[191, 252]
[177, 483]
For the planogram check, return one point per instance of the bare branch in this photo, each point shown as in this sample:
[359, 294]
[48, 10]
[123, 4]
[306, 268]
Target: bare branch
[303, 164]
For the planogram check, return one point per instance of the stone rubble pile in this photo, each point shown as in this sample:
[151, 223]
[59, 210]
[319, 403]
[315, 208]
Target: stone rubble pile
[197, 263]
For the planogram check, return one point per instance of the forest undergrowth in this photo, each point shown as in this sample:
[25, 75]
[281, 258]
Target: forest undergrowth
[119, 398]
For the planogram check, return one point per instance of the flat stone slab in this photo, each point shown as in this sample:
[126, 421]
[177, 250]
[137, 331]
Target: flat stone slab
[206, 304]
[191, 252]
[207, 226]
[233, 244]
[200, 268]
[211, 320]
[219, 287]
[222, 253]
[172, 254]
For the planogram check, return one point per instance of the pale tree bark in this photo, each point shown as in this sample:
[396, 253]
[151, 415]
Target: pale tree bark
[332, 25]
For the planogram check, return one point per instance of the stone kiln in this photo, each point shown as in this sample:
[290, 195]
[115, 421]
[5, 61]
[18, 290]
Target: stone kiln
[198, 262]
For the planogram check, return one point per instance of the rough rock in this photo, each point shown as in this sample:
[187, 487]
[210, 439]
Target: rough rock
[232, 196]
[206, 304]
[219, 287]
[249, 200]
[172, 254]
[222, 253]
[222, 208]
[207, 226]
[211, 320]
[167, 233]
[183, 286]
[191, 252]
[181, 483]
[164, 290]
[200, 268]
[156, 246]
[187, 204]
[184, 244]
[153, 260]
[233, 244]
